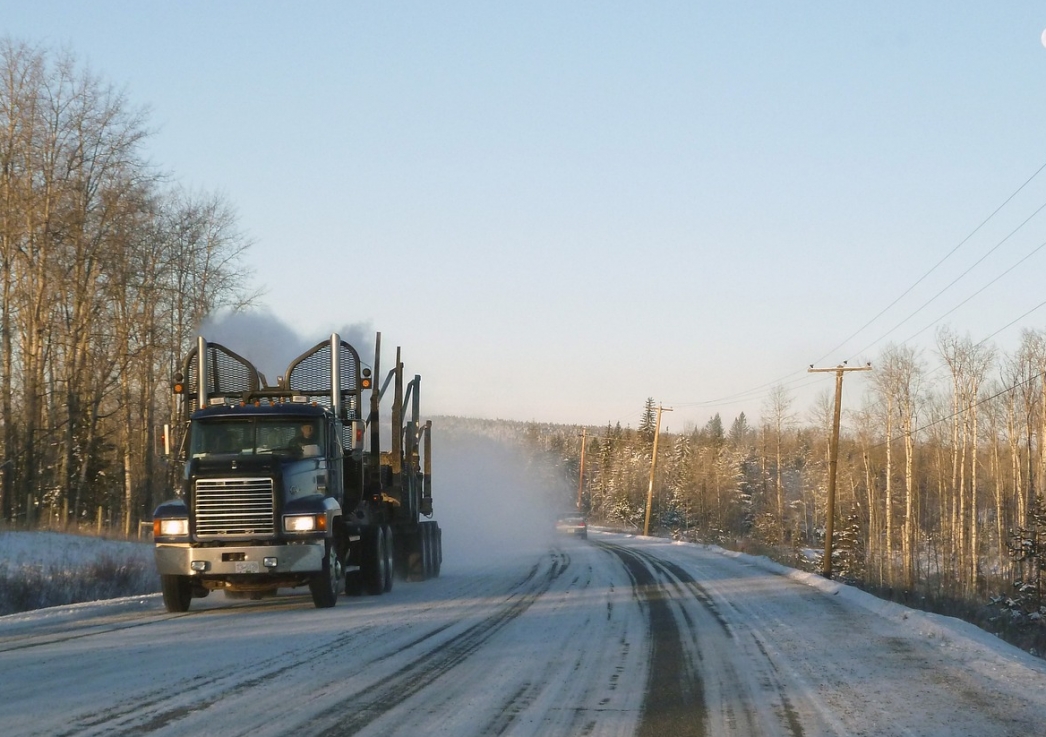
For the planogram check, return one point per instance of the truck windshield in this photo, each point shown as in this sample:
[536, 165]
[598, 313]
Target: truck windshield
[295, 437]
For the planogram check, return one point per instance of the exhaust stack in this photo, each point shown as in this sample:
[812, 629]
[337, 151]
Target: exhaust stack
[201, 372]
[336, 375]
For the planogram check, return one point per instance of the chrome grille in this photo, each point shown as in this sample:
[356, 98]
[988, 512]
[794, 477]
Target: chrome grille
[234, 508]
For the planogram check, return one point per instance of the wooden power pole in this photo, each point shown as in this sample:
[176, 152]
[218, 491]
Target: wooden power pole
[833, 460]
[653, 466]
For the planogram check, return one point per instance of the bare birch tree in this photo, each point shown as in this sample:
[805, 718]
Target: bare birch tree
[103, 278]
[778, 416]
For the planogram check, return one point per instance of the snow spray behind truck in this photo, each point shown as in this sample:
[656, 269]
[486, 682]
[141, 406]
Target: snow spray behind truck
[287, 485]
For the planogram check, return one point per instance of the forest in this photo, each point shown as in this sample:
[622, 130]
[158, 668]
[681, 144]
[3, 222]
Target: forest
[107, 266]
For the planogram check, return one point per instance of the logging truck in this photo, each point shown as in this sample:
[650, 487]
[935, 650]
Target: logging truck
[287, 485]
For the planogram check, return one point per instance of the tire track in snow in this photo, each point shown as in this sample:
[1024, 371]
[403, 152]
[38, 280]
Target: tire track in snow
[745, 698]
[675, 698]
[557, 669]
[154, 709]
[563, 695]
[771, 683]
[24, 642]
[79, 628]
[160, 707]
[357, 710]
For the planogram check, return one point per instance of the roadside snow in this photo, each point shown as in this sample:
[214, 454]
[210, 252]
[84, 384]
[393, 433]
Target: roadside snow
[18, 548]
[46, 569]
[948, 631]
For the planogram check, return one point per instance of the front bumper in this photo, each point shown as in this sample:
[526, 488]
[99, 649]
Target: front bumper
[178, 559]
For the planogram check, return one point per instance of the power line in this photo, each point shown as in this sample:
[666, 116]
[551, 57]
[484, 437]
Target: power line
[795, 380]
[956, 279]
[935, 266]
[1000, 276]
[930, 374]
[789, 379]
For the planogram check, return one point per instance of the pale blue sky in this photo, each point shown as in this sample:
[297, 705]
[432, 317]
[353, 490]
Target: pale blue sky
[560, 209]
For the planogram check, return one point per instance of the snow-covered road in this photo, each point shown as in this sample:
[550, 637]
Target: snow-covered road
[613, 636]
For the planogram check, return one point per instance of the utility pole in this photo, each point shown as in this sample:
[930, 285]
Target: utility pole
[581, 472]
[653, 466]
[833, 460]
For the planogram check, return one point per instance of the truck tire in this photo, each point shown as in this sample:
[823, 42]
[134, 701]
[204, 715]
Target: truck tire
[437, 550]
[177, 592]
[324, 585]
[414, 555]
[402, 554]
[390, 559]
[354, 582]
[423, 552]
[428, 561]
[374, 560]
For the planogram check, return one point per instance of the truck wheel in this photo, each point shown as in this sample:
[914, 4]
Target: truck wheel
[414, 554]
[437, 550]
[426, 551]
[354, 583]
[177, 592]
[401, 557]
[390, 559]
[433, 550]
[374, 560]
[325, 584]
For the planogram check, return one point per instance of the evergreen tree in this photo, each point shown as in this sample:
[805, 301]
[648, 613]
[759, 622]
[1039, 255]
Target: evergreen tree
[605, 477]
[647, 426]
[1028, 548]
[739, 430]
[714, 428]
[848, 556]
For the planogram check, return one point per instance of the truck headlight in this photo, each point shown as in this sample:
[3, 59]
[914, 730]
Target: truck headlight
[305, 523]
[171, 527]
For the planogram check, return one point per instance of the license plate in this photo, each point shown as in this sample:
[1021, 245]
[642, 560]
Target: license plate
[247, 566]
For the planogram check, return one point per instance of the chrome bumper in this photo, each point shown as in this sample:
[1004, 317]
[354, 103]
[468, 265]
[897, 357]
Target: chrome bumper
[178, 559]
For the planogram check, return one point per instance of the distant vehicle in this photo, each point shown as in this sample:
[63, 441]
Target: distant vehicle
[572, 523]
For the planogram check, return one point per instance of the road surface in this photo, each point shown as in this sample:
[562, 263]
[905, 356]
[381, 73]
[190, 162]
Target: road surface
[615, 635]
